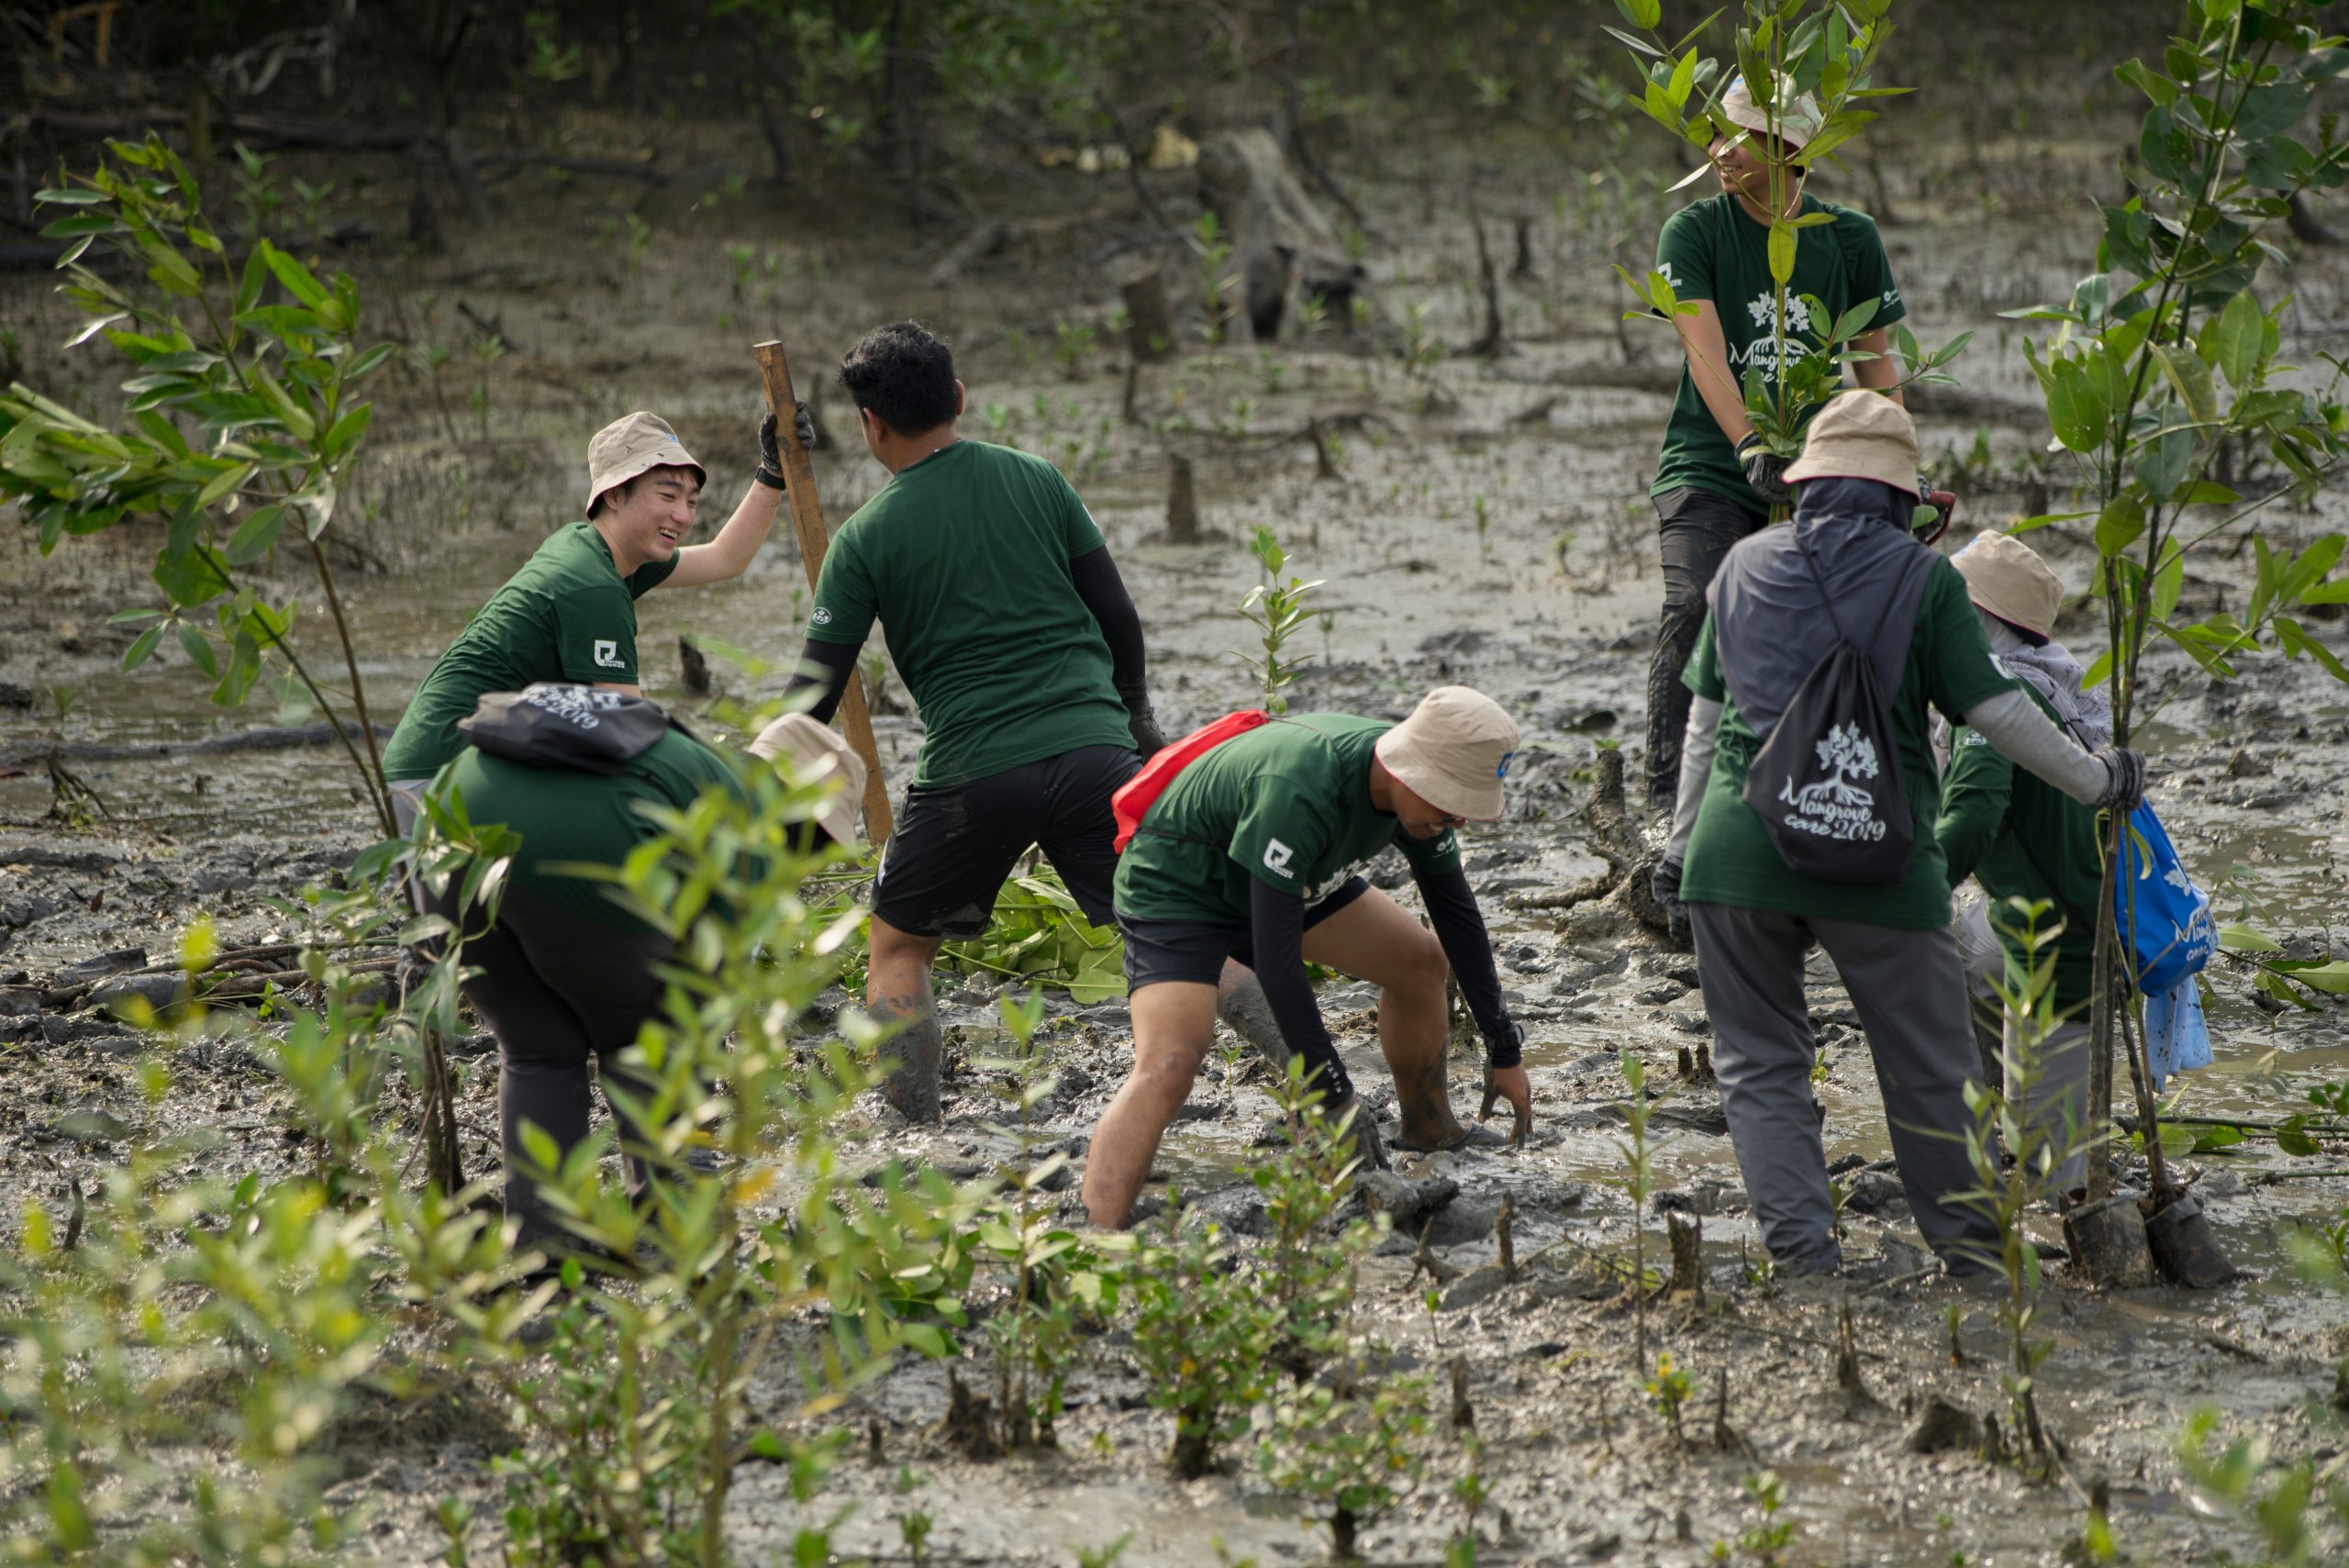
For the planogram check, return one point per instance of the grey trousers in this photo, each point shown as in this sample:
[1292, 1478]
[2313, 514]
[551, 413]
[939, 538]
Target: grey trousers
[1911, 995]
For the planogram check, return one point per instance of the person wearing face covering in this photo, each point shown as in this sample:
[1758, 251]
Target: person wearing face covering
[2019, 838]
[1845, 568]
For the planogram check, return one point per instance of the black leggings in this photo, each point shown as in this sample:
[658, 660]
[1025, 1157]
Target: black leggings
[557, 991]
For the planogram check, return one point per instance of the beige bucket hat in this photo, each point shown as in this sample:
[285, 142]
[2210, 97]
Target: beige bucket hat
[815, 752]
[1860, 435]
[2006, 577]
[633, 444]
[1799, 118]
[1453, 752]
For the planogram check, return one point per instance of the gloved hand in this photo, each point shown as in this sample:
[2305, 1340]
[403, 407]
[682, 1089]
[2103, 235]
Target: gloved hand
[803, 425]
[1149, 740]
[2125, 784]
[1944, 506]
[1666, 884]
[1765, 469]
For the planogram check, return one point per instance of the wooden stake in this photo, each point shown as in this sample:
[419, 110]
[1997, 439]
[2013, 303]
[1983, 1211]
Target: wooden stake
[807, 517]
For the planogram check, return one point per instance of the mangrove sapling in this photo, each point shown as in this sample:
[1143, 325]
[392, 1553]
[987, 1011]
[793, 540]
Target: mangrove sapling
[1638, 1182]
[650, 1415]
[1201, 1333]
[2161, 367]
[1668, 1390]
[2035, 1147]
[1786, 49]
[239, 420]
[1275, 608]
[1310, 1273]
[1765, 1540]
[1353, 1449]
[1057, 1284]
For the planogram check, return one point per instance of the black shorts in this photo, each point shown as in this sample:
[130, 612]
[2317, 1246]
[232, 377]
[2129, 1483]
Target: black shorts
[954, 847]
[1196, 950]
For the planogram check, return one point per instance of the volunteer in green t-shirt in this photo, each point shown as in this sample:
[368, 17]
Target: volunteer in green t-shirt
[2019, 838]
[1712, 487]
[1846, 568]
[1008, 622]
[1249, 855]
[567, 973]
[570, 613]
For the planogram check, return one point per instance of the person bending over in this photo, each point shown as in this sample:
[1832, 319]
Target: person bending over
[1249, 855]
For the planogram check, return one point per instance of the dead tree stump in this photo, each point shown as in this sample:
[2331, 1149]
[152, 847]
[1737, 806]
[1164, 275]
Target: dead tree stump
[1686, 1234]
[1150, 325]
[1182, 501]
[1283, 247]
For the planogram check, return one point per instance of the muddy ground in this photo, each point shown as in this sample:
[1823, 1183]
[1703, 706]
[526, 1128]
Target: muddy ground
[1487, 523]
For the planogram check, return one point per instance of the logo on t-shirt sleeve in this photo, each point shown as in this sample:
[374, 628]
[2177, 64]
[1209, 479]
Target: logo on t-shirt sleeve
[1276, 858]
[607, 655]
[821, 617]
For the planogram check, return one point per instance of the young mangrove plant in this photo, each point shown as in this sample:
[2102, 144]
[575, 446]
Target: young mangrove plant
[239, 418]
[2163, 367]
[1200, 1336]
[1354, 1450]
[1310, 1273]
[1275, 608]
[1638, 1182]
[2016, 1150]
[1057, 1285]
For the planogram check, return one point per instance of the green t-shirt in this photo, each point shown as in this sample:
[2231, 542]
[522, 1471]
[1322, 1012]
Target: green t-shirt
[1730, 860]
[1287, 803]
[1710, 249]
[2020, 837]
[567, 616]
[567, 818]
[964, 559]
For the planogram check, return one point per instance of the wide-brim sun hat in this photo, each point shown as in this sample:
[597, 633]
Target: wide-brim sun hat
[1453, 752]
[1860, 435]
[1799, 118]
[633, 444]
[2006, 577]
[816, 752]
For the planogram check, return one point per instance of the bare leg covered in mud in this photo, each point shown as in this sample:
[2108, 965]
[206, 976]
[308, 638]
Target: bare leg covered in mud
[897, 992]
[1372, 938]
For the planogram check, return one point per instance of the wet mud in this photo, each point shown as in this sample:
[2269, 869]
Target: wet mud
[1486, 522]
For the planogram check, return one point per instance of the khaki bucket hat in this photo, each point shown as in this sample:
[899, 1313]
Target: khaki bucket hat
[2006, 577]
[633, 444]
[1798, 113]
[813, 753]
[1860, 435]
[1453, 752]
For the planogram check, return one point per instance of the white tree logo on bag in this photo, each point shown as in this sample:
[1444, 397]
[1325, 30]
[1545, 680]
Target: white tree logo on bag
[1842, 804]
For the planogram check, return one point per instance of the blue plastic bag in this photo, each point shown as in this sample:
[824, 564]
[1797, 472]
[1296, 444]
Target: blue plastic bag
[2178, 1038]
[2166, 931]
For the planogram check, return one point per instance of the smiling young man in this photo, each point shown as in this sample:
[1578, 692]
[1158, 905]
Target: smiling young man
[1713, 485]
[570, 613]
[1249, 855]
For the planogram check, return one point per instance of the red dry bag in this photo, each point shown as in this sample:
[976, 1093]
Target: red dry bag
[1135, 796]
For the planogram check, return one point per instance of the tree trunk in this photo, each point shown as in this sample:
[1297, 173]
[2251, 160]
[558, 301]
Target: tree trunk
[1150, 325]
[1182, 501]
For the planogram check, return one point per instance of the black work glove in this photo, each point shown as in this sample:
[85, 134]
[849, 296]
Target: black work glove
[803, 425]
[2124, 778]
[1666, 884]
[1140, 721]
[1765, 469]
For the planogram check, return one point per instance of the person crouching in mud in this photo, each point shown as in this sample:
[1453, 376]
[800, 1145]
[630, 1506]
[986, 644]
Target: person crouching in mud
[1249, 855]
[1847, 569]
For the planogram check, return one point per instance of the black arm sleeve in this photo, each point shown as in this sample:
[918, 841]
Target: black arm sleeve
[826, 667]
[1277, 927]
[1460, 927]
[1104, 593]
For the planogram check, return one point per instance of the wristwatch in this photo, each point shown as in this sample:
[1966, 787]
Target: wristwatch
[1505, 1049]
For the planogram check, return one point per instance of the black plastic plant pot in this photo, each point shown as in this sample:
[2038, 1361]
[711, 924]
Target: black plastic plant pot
[2186, 1246]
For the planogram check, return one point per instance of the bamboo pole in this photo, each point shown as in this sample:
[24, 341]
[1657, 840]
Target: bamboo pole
[807, 517]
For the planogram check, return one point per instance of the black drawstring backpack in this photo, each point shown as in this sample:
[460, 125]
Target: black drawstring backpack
[1827, 784]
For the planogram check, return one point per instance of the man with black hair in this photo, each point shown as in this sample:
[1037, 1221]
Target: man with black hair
[1008, 623]
[570, 613]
